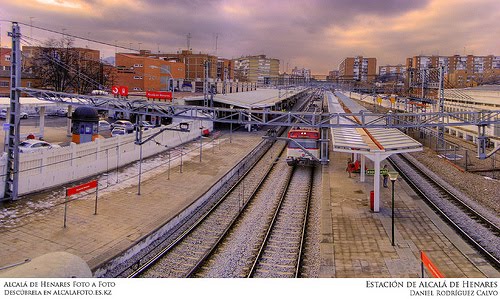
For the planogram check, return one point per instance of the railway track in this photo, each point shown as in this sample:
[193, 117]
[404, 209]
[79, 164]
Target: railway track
[280, 254]
[481, 232]
[268, 239]
[183, 255]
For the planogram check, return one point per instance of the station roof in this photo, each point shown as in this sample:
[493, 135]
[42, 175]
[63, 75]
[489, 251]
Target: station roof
[367, 140]
[255, 99]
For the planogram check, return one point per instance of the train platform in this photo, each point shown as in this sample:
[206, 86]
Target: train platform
[123, 217]
[356, 242]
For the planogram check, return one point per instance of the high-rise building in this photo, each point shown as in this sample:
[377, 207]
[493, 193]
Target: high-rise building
[358, 69]
[257, 69]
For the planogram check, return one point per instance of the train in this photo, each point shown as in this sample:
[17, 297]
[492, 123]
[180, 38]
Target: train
[307, 138]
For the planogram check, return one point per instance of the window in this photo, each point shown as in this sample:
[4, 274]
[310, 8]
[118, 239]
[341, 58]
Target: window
[137, 77]
[7, 57]
[137, 65]
[4, 83]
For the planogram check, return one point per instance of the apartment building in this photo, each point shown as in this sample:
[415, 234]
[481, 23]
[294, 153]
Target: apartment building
[392, 73]
[302, 74]
[460, 70]
[225, 69]
[358, 69]
[140, 73]
[257, 69]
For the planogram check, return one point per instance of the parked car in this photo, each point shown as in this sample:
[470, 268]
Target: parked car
[104, 126]
[118, 131]
[3, 114]
[32, 145]
[146, 125]
[124, 124]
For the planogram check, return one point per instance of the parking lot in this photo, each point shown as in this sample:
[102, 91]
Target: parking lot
[55, 130]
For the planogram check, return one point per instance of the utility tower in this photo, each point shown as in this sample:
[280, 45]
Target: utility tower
[13, 131]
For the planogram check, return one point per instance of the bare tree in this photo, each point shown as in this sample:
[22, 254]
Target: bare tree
[65, 68]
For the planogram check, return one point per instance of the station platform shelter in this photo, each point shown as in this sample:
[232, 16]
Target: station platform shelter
[265, 98]
[376, 144]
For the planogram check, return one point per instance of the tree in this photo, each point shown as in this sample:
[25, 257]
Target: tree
[65, 68]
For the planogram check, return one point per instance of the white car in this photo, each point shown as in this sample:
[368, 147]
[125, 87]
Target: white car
[32, 145]
[146, 125]
[118, 131]
[104, 126]
[123, 124]
[3, 114]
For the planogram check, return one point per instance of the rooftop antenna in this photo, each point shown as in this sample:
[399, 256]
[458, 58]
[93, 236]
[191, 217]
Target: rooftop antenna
[188, 37]
[216, 38]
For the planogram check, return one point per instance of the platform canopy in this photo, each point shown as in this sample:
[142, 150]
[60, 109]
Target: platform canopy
[376, 144]
[365, 141]
[256, 99]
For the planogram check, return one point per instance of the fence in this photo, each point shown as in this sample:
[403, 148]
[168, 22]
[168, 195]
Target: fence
[49, 168]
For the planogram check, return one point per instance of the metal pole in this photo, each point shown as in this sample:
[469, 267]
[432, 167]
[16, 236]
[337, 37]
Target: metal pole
[201, 141]
[107, 168]
[96, 195]
[65, 209]
[117, 164]
[140, 171]
[168, 177]
[392, 212]
[230, 132]
[181, 161]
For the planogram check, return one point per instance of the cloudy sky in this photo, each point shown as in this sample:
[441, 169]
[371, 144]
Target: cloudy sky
[315, 34]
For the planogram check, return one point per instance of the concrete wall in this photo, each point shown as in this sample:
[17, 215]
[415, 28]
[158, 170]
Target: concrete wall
[49, 168]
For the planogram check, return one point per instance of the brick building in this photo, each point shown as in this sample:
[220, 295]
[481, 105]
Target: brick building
[27, 79]
[358, 69]
[142, 73]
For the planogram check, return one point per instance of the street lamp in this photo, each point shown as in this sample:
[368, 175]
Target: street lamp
[231, 126]
[171, 77]
[393, 176]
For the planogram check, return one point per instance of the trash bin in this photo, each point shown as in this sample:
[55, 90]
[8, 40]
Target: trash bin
[372, 200]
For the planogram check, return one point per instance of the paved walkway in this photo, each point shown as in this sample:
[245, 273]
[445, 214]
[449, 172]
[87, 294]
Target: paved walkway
[123, 216]
[356, 242]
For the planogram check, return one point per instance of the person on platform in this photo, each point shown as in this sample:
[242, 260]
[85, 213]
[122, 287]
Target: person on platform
[350, 167]
[386, 176]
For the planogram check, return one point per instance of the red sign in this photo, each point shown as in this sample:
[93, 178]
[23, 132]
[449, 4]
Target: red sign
[430, 266]
[81, 188]
[162, 95]
[123, 91]
[115, 90]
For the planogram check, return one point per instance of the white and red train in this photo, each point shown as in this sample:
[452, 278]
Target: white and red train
[300, 139]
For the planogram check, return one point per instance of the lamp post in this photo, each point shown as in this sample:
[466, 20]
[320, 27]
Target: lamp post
[231, 127]
[393, 176]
